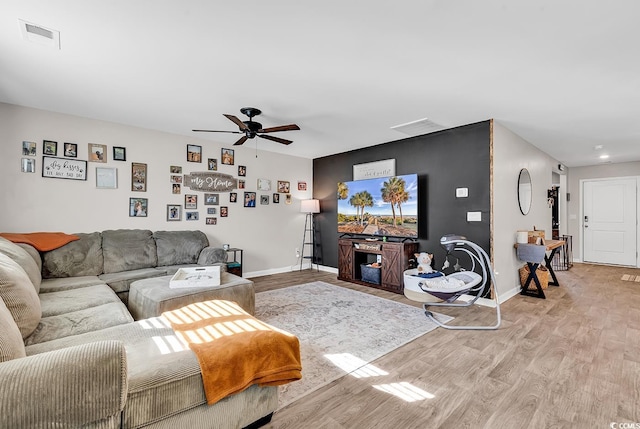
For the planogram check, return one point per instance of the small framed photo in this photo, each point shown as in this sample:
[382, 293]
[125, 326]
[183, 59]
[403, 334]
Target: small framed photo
[175, 169]
[28, 165]
[28, 148]
[276, 198]
[212, 221]
[194, 153]
[211, 199]
[264, 200]
[192, 216]
[49, 147]
[264, 185]
[119, 153]
[212, 164]
[138, 177]
[224, 212]
[97, 152]
[227, 156]
[190, 201]
[249, 199]
[233, 197]
[138, 207]
[71, 150]
[175, 188]
[106, 178]
[284, 187]
[302, 186]
[242, 170]
[211, 210]
[174, 212]
[287, 199]
[176, 178]
[241, 184]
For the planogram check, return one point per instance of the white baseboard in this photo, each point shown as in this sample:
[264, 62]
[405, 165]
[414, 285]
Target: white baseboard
[305, 266]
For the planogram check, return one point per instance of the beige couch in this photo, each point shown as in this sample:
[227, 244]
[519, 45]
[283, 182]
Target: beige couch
[71, 355]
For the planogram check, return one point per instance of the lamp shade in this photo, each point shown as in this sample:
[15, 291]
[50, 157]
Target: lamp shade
[310, 206]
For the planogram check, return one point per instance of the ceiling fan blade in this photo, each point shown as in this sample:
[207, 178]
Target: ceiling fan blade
[291, 127]
[275, 139]
[242, 140]
[215, 131]
[237, 121]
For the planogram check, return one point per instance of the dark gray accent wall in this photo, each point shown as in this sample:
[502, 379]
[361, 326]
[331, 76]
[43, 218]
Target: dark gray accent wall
[454, 158]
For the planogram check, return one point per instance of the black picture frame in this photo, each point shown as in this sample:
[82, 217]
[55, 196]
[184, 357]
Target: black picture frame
[138, 207]
[119, 153]
[70, 150]
[249, 199]
[49, 147]
[194, 153]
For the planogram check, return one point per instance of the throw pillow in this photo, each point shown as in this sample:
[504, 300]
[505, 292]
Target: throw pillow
[19, 295]
[11, 345]
[22, 257]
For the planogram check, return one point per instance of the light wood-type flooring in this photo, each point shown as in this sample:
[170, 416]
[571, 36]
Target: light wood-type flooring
[570, 361]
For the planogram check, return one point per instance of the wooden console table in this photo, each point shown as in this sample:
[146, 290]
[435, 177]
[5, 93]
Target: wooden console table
[394, 258]
[552, 247]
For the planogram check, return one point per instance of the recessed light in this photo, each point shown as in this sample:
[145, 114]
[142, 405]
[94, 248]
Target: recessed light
[605, 156]
[598, 147]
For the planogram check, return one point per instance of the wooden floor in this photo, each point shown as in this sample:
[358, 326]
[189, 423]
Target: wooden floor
[570, 361]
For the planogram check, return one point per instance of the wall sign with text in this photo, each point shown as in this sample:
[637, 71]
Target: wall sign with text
[64, 168]
[210, 181]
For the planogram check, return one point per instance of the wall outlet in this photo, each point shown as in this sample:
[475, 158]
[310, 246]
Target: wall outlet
[297, 252]
[474, 216]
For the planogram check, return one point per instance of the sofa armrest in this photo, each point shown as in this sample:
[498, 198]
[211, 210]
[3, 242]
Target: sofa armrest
[213, 256]
[70, 387]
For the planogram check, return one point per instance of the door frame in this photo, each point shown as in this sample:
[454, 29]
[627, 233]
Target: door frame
[581, 219]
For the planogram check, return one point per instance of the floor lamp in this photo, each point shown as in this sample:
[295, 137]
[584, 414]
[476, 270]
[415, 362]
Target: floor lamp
[310, 207]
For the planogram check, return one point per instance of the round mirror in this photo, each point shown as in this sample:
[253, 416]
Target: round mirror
[524, 191]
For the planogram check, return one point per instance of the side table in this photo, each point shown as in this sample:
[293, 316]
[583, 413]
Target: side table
[234, 264]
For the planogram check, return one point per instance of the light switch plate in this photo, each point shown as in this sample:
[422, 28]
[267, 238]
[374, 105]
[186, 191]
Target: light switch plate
[474, 216]
[462, 192]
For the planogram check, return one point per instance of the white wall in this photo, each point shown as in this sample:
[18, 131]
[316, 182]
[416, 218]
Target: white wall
[269, 234]
[576, 174]
[511, 153]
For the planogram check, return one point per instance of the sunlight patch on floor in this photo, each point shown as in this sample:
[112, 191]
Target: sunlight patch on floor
[405, 391]
[355, 366]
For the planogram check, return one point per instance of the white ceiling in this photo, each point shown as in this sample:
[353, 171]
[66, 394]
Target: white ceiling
[564, 75]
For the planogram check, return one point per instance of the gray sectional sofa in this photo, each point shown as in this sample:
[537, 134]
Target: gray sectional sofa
[71, 354]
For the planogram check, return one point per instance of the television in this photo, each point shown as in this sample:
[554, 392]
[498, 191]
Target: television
[380, 207]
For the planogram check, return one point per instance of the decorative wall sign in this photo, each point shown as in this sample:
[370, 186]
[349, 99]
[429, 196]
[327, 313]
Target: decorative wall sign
[106, 177]
[61, 168]
[370, 170]
[209, 181]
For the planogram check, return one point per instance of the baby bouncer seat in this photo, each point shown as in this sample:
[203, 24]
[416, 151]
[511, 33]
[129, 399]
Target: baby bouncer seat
[440, 290]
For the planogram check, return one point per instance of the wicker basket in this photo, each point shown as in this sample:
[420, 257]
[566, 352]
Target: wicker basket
[543, 276]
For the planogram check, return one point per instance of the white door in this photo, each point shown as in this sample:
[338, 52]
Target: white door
[609, 221]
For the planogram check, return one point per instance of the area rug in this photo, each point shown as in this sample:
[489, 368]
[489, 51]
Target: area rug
[336, 324]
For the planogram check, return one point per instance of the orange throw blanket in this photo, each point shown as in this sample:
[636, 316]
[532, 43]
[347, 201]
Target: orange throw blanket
[43, 241]
[234, 349]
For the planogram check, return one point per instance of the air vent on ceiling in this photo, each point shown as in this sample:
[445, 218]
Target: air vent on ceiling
[419, 127]
[39, 34]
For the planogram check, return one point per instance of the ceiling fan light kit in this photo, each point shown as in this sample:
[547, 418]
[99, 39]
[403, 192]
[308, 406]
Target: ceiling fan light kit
[252, 129]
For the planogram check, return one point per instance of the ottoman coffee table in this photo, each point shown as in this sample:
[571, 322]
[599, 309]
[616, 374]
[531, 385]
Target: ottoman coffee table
[151, 297]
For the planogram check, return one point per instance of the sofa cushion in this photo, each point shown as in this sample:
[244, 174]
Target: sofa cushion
[79, 322]
[33, 252]
[179, 247]
[121, 281]
[11, 345]
[128, 249]
[24, 259]
[213, 256]
[82, 257]
[19, 295]
[66, 301]
[68, 283]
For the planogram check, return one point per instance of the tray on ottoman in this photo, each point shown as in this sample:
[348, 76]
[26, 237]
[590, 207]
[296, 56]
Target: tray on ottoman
[195, 277]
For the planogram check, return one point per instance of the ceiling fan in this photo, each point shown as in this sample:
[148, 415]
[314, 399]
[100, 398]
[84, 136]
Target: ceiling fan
[251, 129]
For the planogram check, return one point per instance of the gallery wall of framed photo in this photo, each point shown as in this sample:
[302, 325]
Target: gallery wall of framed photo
[127, 177]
